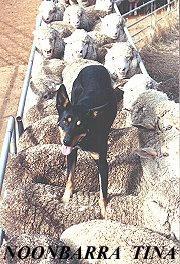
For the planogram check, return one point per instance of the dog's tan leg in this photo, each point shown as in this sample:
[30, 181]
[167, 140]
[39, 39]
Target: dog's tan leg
[69, 189]
[103, 205]
[103, 181]
[71, 163]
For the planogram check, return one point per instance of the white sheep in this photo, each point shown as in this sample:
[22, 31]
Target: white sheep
[46, 75]
[49, 11]
[161, 207]
[79, 45]
[112, 25]
[40, 95]
[135, 86]
[76, 16]
[41, 109]
[117, 237]
[86, 3]
[64, 29]
[121, 60]
[158, 121]
[49, 42]
[105, 5]
[83, 3]
[109, 30]
[132, 89]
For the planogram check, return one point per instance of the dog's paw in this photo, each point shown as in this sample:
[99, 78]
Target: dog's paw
[66, 197]
[102, 205]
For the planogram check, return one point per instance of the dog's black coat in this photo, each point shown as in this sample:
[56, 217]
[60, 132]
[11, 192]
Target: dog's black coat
[93, 102]
[91, 89]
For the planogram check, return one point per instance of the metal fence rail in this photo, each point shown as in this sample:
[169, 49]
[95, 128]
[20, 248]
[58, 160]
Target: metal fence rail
[9, 144]
[152, 13]
[141, 64]
[138, 8]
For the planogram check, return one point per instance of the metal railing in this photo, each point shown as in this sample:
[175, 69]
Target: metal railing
[138, 8]
[12, 133]
[152, 13]
[141, 64]
[9, 146]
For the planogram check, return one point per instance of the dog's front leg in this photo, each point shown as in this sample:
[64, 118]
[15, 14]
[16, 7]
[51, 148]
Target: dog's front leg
[103, 182]
[71, 164]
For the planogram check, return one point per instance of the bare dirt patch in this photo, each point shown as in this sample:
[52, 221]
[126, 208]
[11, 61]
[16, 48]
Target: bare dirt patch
[161, 60]
[17, 20]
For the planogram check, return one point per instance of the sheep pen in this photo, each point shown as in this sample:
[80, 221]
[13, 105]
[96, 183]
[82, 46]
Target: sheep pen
[140, 146]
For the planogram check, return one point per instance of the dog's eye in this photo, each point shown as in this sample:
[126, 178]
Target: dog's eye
[65, 121]
[78, 123]
[69, 119]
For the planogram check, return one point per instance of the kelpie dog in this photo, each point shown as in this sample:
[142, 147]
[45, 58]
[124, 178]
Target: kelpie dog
[85, 123]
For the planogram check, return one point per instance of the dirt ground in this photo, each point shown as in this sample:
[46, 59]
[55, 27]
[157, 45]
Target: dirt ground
[17, 19]
[162, 63]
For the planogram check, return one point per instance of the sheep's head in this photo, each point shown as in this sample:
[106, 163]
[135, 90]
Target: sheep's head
[145, 110]
[74, 15]
[136, 85]
[113, 26]
[104, 5]
[48, 11]
[79, 45]
[45, 89]
[46, 41]
[118, 59]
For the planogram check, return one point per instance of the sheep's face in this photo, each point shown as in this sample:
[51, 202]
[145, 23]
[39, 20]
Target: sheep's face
[136, 85]
[79, 49]
[76, 18]
[118, 59]
[74, 15]
[112, 26]
[48, 11]
[47, 43]
[104, 5]
[117, 65]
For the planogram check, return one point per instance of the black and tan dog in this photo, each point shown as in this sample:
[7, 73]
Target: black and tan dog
[85, 123]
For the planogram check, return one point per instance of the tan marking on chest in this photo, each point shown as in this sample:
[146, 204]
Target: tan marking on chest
[95, 155]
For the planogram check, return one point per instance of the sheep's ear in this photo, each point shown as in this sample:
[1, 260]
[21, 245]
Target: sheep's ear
[148, 126]
[62, 99]
[101, 18]
[147, 153]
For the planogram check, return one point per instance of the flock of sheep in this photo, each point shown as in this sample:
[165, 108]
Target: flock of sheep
[143, 151]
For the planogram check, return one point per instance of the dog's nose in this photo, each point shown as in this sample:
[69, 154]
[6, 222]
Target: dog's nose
[67, 141]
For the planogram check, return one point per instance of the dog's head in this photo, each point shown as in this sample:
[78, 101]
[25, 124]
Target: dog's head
[74, 120]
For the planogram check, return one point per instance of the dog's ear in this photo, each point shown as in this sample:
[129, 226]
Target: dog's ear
[94, 112]
[62, 99]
